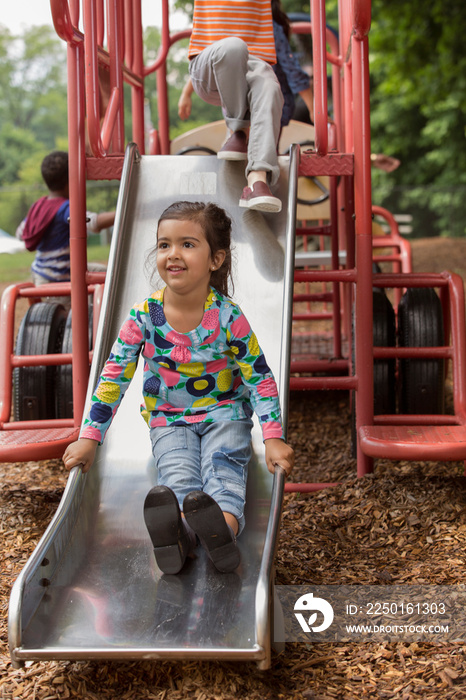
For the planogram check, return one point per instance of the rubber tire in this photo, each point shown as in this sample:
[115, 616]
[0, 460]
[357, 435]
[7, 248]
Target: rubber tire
[420, 324]
[318, 200]
[196, 149]
[64, 382]
[384, 335]
[40, 333]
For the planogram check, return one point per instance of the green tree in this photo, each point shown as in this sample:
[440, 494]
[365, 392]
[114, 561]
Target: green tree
[33, 117]
[418, 68]
[33, 83]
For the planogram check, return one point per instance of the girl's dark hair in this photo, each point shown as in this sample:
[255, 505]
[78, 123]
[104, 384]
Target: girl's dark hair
[216, 225]
[280, 17]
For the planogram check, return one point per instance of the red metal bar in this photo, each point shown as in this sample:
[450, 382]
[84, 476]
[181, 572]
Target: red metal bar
[314, 231]
[7, 334]
[35, 444]
[319, 54]
[394, 240]
[137, 93]
[100, 22]
[415, 419]
[318, 296]
[39, 425]
[361, 18]
[116, 51]
[110, 119]
[128, 31]
[412, 352]
[166, 41]
[312, 315]
[44, 360]
[291, 487]
[302, 366]
[74, 11]
[325, 276]
[164, 123]
[330, 383]
[78, 234]
[415, 279]
[363, 210]
[345, 29]
[64, 25]
[458, 332]
[94, 278]
[333, 55]
[159, 66]
[92, 78]
[336, 311]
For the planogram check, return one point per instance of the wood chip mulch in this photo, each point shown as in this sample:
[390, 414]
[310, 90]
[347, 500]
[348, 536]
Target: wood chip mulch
[404, 524]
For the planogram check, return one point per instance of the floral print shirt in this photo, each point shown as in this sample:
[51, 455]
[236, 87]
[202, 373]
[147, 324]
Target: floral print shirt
[216, 372]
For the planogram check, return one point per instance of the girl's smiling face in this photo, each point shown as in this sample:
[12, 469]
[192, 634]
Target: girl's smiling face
[184, 259]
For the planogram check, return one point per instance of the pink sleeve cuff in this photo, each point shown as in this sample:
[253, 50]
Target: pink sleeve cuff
[272, 430]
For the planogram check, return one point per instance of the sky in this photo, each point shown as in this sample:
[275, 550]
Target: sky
[33, 12]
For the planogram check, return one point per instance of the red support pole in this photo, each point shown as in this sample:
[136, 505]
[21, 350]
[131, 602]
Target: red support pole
[137, 94]
[319, 58]
[116, 49]
[363, 211]
[78, 233]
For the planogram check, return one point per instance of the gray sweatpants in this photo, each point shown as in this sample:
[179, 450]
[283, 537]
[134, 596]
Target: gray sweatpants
[250, 96]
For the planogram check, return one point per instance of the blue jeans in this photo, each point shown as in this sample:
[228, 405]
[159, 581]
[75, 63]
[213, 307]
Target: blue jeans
[209, 457]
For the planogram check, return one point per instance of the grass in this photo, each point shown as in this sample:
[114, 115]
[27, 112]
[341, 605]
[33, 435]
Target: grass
[17, 267]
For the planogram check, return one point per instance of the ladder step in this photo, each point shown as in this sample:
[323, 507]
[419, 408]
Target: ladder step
[414, 442]
[311, 164]
[36, 444]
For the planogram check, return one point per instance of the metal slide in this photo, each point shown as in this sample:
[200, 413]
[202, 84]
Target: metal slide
[91, 589]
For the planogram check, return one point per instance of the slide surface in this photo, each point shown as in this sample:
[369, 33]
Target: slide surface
[92, 589]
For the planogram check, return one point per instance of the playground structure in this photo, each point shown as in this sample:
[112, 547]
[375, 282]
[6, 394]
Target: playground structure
[361, 353]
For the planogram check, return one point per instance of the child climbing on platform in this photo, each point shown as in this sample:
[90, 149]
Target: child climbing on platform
[204, 376]
[292, 78]
[231, 53]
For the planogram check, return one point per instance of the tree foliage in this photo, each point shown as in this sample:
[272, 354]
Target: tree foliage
[33, 117]
[418, 68]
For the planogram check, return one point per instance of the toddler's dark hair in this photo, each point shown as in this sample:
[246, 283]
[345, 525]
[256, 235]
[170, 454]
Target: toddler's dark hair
[216, 225]
[54, 170]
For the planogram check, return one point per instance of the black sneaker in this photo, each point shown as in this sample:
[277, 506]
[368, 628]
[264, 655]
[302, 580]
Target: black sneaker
[205, 517]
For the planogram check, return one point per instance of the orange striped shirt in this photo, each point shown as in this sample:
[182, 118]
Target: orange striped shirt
[250, 20]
